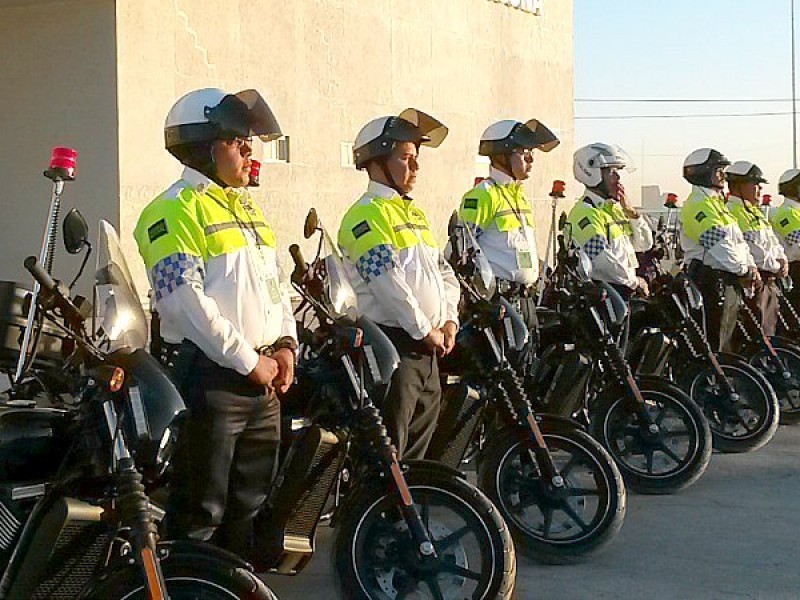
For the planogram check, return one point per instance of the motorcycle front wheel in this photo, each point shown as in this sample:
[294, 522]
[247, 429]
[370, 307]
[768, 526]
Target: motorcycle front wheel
[739, 424]
[375, 557]
[555, 525]
[785, 382]
[664, 458]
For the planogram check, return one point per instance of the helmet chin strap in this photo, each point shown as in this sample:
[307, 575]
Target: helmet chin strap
[392, 183]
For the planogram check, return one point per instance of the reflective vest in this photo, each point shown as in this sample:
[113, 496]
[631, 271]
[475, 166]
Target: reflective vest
[503, 221]
[786, 221]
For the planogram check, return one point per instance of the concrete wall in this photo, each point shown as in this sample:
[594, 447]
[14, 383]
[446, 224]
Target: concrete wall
[328, 66]
[57, 88]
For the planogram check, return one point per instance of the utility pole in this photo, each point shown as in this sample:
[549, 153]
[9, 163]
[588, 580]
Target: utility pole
[794, 98]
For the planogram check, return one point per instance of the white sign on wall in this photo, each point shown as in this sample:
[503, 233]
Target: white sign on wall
[535, 7]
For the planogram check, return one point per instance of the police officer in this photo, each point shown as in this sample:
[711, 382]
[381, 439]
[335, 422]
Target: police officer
[744, 194]
[603, 224]
[501, 215]
[401, 280]
[716, 254]
[211, 260]
[786, 222]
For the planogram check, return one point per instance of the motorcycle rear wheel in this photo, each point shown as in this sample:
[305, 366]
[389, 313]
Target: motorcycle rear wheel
[375, 558]
[666, 461]
[554, 525]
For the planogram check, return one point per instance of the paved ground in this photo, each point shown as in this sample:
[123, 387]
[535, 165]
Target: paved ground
[735, 534]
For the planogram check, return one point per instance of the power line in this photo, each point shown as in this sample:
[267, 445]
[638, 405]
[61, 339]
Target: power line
[695, 116]
[682, 100]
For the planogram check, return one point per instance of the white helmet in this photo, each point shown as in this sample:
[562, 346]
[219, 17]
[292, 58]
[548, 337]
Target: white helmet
[589, 162]
[210, 113]
[699, 166]
[505, 136]
[378, 137]
[744, 171]
[789, 183]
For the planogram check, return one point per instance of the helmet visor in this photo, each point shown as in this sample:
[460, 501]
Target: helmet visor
[534, 134]
[429, 131]
[245, 114]
[617, 158]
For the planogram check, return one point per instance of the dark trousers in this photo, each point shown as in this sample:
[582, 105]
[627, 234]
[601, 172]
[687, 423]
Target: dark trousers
[526, 306]
[794, 295]
[411, 407]
[226, 457]
[722, 299]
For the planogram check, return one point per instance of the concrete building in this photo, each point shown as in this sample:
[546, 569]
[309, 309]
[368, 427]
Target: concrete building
[100, 76]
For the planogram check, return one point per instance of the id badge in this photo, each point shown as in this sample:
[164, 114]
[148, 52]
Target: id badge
[524, 259]
[274, 290]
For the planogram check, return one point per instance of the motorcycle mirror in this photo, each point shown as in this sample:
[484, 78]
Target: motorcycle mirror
[452, 224]
[311, 225]
[76, 231]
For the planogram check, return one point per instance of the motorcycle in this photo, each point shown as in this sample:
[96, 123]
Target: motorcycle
[414, 528]
[657, 435]
[738, 402]
[558, 490]
[76, 521]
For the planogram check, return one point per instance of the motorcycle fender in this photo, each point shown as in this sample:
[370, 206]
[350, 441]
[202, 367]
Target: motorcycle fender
[548, 422]
[372, 480]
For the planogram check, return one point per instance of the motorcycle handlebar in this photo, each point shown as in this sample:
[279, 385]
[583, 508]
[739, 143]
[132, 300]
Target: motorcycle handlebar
[51, 286]
[300, 266]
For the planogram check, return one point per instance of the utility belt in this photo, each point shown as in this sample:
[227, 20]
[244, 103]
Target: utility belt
[703, 274]
[511, 290]
[767, 276]
[403, 342]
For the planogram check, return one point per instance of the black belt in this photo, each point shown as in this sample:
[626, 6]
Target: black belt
[513, 289]
[403, 341]
[699, 272]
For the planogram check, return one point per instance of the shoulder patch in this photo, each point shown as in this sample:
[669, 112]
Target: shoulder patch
[361, 229]
[470, 203]
[584, 223]
[700, 216]
[784, 222]
[157, 230]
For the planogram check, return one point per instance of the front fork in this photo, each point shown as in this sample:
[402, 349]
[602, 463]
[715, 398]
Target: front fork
[620, 371]
[696, 338]
[133, 507]
[510, 389]
[755, 325]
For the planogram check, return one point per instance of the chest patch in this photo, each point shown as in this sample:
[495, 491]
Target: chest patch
[361, 229]
[700, 216]
[470, 204]
[584, 223]
[157, 230]
[784, 222]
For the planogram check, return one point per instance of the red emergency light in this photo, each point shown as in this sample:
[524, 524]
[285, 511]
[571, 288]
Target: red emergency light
[62, 164]
[766, 200]
[255, 170]
[671, 200]
[558, 189]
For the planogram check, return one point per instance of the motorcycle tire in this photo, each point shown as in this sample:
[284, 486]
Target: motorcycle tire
[787, 389]
[554, 525]
[741, 427]
[682, 443]
[374, 557]
[188, 577]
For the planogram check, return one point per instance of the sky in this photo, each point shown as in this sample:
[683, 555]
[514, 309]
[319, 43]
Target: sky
[686, 49]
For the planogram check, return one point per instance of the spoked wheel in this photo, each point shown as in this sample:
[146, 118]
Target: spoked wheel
[665, 457]
[785, 382]
[548, 523]
[376, 557]
[739, 422]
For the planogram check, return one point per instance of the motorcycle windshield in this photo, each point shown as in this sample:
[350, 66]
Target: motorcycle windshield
[120, 318]
[483, 277]
[340, 296]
